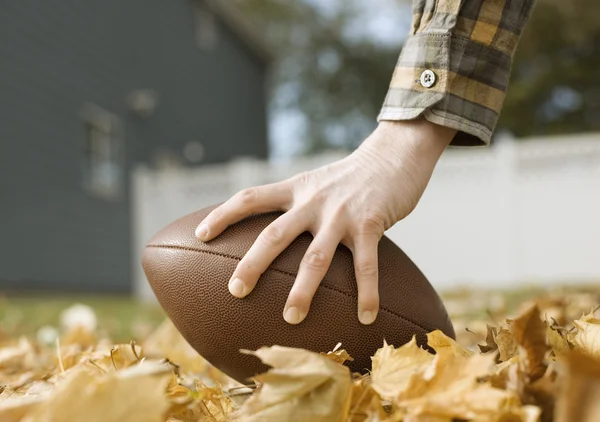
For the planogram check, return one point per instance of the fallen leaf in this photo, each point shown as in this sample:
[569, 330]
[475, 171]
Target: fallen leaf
[14, 406]
[135, 394]
[543, 392]
[530, 334]
[167, 342]
[441, 343]
[393, 367]
[580, 389]
[587, 337]
[451, 387]
[338, 354]
[557, 341]
[301, 386]
[365, 403]
[507, 347]
[490, 344]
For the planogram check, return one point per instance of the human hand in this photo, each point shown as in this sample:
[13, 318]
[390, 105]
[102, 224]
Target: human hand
[352, 201]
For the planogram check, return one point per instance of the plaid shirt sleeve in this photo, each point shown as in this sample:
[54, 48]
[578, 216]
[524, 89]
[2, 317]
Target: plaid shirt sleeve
[454, 68]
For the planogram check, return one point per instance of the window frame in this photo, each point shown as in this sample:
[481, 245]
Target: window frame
[102, 137]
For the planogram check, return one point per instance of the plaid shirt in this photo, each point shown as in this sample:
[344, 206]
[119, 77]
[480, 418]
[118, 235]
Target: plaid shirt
[455, 66]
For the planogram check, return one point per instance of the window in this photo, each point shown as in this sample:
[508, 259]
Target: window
[206, 26]
[103, 173]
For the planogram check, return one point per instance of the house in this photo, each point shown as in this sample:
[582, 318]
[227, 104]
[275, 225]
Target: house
[88, 91]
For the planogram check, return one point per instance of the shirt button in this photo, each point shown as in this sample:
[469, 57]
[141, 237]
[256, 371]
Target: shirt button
[427, 78]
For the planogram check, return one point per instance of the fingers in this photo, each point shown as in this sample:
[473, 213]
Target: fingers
[366, 269]
[260, 199]
[313, 268]
[270, 243]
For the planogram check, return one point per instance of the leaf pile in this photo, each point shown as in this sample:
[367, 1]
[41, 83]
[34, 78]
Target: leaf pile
[538, 366]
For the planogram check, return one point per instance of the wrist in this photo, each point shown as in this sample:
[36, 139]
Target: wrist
[418, 140]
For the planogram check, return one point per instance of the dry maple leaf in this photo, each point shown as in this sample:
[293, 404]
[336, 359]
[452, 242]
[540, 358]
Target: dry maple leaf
[135, 394]
[543, 393]
[167, 342]
[587, 336]
[530, 334]
[451, 387]
[580, 389]
[507, 346]
[393, 367]
[300, 386]
[490, 344]
[338, 354]
[441, 343]
[365, 403]
[557, 340]
[14, 406]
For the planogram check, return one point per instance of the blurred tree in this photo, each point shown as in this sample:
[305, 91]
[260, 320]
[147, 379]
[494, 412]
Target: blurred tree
[338, 80]
[555, 84]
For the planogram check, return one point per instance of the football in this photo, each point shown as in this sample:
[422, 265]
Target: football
[190, 277]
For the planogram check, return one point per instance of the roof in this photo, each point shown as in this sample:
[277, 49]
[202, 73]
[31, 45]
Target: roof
[235, 20]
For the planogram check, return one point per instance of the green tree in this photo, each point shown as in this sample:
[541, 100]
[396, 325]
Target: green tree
[339, 82]
[555, 83]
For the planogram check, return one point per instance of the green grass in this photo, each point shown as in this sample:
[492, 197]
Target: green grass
[121, 318]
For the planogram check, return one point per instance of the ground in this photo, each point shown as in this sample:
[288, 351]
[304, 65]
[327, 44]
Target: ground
[125, 361]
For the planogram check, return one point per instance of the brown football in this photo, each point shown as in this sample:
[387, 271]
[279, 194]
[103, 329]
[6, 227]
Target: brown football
[190, 278]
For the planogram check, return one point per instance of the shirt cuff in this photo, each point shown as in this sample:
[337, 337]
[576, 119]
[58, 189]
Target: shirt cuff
[451, 81]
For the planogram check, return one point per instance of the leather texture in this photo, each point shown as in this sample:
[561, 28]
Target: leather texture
[190, 278]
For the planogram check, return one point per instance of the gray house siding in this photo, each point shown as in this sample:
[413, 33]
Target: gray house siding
[57, 56]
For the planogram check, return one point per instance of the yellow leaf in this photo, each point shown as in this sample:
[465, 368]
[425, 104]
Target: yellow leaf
[392, 368]
[136, 394]
[490, 345]
[587, 337]
[14, 406]
[557, 341]
[507, 347]
[114, 358]
[580, 387]
[167, 342]
[529, 332]
[338, 355]
[365, 403]
[441, 343]
[451, 388]
[301, 386]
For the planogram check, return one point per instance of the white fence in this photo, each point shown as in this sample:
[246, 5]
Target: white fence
[516, 212]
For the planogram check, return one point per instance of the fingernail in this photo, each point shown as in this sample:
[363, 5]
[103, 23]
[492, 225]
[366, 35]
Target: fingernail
[293, 315]
[366, 317]
[202, 231]
[237, 287]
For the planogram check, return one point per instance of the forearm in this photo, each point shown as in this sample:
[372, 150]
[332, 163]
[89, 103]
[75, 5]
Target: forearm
[455, 66]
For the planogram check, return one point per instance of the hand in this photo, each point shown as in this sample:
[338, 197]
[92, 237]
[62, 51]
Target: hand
[352, 201]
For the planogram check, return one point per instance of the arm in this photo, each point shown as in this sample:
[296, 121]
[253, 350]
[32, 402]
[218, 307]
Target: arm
[355, 200]
[455, 66]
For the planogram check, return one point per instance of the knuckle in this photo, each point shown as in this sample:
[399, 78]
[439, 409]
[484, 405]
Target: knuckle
[370, 223]
[302, 178]
[316, 259]
[247, 196]
[339, 212]
[272, 236]
[367, 268]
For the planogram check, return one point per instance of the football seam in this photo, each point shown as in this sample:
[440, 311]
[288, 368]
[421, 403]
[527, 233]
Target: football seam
[186, 248]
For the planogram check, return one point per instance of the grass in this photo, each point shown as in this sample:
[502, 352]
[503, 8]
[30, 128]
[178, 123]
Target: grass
[122, 318]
